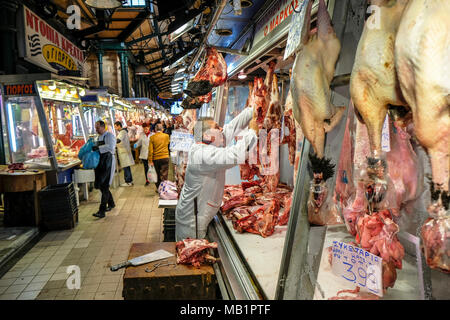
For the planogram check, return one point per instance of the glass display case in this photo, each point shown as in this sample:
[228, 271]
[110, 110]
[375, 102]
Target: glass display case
[95, 107]
[43, 122]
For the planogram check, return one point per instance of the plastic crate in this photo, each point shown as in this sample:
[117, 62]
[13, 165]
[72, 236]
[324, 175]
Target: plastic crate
[58, 203]
[61, 224]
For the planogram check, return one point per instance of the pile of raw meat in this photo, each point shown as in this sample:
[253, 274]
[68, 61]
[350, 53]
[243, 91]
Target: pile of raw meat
[213, 73]
[254, 211]
[195, 252]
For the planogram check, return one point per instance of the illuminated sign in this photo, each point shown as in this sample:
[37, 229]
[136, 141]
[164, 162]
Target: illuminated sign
[19, 89]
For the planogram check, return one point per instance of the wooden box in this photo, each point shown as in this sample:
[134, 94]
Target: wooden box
[168, 282]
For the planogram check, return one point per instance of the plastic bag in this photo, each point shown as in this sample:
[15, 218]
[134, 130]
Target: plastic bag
[436, 242]
[152, 176]
[89, 158]
[168, 190]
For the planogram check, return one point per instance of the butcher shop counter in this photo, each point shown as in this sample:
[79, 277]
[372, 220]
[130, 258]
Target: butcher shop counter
[169, 282]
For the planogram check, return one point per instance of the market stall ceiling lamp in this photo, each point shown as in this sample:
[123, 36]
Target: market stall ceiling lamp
[242, 75]
[142, 70]
[104, 4]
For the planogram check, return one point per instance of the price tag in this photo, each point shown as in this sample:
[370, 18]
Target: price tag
[358, 267]
[295, 30]
[181, 141]
[385, 139]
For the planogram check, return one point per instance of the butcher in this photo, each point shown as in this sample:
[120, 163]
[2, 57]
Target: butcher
[209, 157]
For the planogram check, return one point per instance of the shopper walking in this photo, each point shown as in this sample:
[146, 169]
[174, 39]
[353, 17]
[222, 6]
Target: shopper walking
[143, 142]
[158, 153]
[133, 137]
[104, 173]
[124, 152]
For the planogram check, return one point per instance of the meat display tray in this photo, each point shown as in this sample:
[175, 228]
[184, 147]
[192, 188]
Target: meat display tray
[263, 255]
[406, 286]
[168, 282]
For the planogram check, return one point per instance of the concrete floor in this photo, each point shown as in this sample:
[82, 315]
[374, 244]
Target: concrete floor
[93, 245]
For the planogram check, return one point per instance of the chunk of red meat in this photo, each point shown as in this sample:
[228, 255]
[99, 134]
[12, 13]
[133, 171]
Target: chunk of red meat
[194, 251]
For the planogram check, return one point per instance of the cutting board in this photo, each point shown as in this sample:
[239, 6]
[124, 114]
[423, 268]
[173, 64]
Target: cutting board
[167, 283]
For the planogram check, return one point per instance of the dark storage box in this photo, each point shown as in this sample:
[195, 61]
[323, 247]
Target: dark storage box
[58, 206]
[168, 282]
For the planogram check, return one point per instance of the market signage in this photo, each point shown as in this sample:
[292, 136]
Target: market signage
[47, 48]
[296, 30]
[181, 141]
[275, 17]
[19, 90]
[358, 267]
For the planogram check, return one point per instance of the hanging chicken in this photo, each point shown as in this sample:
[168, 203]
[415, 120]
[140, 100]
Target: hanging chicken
[373, 83]
[422, 59]
[312, 73]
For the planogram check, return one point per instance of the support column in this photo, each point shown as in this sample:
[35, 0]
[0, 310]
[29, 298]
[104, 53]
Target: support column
[100, 68]
[124, 74]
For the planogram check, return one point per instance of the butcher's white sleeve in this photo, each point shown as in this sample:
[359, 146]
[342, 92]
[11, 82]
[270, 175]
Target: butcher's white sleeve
[211, 158]
[239, 123]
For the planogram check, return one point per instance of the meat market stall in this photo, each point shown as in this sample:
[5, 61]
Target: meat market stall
[96, 106]
[43, 122]
[327, 171]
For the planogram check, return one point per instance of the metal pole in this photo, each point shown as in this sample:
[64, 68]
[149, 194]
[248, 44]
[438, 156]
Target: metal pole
[215, 18]
[196, 215]
[100, 68]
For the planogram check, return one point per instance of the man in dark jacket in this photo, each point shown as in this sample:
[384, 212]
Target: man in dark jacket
[104, 173]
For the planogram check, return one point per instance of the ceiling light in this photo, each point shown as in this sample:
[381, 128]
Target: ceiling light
[52, 86]
[82, 92]
[224, 32]
[178, 78]
[142, 70]
[182, 30]
[242, 75]
[104, 4]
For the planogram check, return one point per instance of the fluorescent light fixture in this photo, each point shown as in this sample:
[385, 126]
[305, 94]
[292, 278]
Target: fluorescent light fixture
[181, 70]
[182, 30]
[104, 4]
[242, 75]
[12, 132]
[176, 63]
[178, 78]
[142, 70]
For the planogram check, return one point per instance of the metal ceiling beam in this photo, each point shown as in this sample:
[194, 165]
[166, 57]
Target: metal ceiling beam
[134, 25]
[156, 27]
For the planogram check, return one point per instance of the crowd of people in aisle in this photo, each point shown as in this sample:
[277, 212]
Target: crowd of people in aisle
[147, 142]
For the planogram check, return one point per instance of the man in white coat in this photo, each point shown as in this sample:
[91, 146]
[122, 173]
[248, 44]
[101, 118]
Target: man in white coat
[124, 152]
[209, 157]
[143, 141]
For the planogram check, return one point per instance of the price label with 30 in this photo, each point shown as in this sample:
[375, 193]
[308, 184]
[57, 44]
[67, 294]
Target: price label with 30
[358, 267]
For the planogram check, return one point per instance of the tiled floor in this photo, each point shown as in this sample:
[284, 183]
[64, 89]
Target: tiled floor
[93, 245]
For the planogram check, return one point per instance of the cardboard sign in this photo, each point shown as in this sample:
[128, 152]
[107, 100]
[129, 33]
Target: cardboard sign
[296, 30]
[47, 48]
[358, 267]
[181, 141]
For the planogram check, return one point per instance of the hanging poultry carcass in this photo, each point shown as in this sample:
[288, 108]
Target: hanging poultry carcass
[422, 58]
[373, 84]
[213, 73]
[312, 73]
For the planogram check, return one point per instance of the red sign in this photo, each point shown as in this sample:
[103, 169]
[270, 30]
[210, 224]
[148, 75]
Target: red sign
[19, 89]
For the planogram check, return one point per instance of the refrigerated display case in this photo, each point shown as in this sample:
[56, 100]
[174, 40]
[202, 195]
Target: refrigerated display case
[96, 106]
[42, 118]
[293, 262]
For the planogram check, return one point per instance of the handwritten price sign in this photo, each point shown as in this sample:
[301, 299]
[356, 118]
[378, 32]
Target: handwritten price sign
[181, 141]
[358, 266]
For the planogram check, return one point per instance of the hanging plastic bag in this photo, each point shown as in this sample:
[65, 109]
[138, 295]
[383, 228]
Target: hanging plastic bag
[152, 176]
[436, 241]
[168, 190]
[89, 158]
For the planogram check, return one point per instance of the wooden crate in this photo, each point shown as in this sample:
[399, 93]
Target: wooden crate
[167, 283]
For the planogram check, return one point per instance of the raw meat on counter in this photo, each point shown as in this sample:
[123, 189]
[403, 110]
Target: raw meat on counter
[40, 152]
[253, 211]
[262, 221]
[195, 251]
[213, 73]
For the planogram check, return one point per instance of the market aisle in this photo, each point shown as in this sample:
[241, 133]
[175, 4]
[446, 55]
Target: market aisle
[93, 245]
